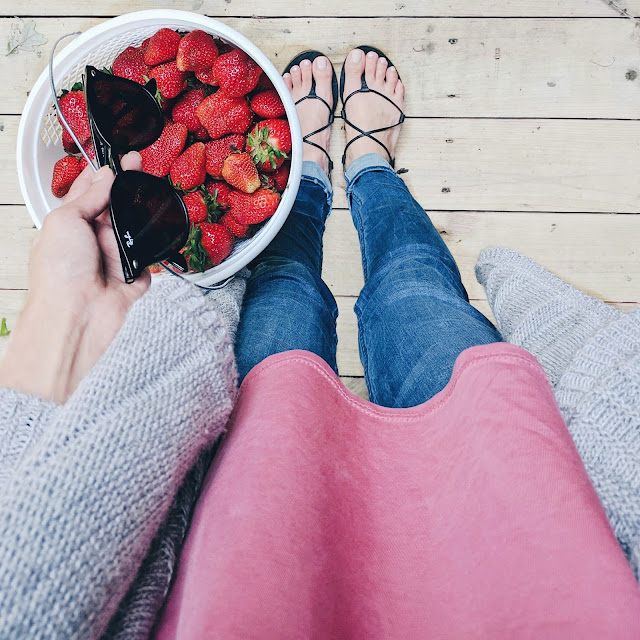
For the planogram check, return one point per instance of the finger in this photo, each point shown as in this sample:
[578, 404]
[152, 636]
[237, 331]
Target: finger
[132, 161]
[81, 184]
[90, 204]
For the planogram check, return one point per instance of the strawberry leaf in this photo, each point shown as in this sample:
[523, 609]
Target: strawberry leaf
[196, 255]
[3, 328]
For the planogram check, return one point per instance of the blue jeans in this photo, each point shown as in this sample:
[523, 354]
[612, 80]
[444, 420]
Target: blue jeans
[414, 316]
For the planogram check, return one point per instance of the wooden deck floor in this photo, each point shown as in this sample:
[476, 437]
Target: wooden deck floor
[523, 128]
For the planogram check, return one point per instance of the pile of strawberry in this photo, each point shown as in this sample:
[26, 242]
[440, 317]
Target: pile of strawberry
[225, 142]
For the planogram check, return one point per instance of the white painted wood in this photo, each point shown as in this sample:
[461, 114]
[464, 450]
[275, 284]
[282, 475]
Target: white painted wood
[471, 67]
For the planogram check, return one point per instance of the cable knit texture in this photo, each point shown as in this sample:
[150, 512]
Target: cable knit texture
[89, 487]
[591, 353]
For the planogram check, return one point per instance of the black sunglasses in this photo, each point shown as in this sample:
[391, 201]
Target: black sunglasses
[149, 217]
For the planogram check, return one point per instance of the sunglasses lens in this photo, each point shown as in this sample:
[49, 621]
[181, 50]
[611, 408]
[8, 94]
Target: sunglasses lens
[149, 217]
[124, 112]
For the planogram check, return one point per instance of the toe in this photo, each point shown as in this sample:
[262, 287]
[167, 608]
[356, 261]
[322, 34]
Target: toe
[353, 67]
[307, 75]
[296, 76]
[323, 74]
[399, 90]
[370, 68]
[391, 79]
[287, 80]
[381, 70]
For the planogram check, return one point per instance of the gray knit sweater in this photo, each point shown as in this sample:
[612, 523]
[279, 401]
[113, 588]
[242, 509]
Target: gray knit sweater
[90, 512]
[95, 495]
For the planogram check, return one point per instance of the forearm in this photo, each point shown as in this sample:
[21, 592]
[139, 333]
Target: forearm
[89, 499]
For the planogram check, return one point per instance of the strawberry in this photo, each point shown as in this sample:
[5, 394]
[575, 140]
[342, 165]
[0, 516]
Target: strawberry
[185, 109]
[220, 114]
[200, 206]
[197, 51]
[281, 176]
[207, 76]
[237, 73]
[65, 171]
[68, 143]
[130, 64]
[269, 143]
[220, 192]
[267, 104]
[162, 47]
[158, 157]
[238, 230]
[217, 151]
[208, 245]
[188, 171]
[251, 208]
[171, 81]
[201, 134]
[240, 172]
[264, 84]
[91, 152]
[74, 108]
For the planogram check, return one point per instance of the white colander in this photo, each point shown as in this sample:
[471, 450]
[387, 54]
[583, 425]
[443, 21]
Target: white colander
[40, 136]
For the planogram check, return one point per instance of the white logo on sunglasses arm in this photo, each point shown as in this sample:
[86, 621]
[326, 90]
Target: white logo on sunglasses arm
[129, 239]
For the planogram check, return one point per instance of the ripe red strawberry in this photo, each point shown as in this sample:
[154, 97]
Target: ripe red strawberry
[267, 104]
[201, 134]
[220, 114]
[217, 151]
[220, 192]
[91, 152]
[130, 64]
[197, 51]
[65, 171]
[208, 245]
[171, 81]
[269, 143]
[207, 76]
[187, 171]
[200, 206]
[162, 47]
[67, 141]
[185, 109]
[237, 73]
[238, 230]
[281, 176]
[240, 172]
[74, 108]
[158, 157]
[251, 208]
[264, 84]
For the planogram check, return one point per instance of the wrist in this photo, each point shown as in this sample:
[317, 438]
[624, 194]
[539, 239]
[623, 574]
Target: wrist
[41, 351]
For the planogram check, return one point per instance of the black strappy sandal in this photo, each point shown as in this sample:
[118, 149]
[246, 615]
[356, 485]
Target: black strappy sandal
[365, 89]
[311, 56]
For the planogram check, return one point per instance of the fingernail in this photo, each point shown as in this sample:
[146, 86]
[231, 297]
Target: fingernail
[322, 63]
[134, 155]
[305, 63]
[101, 174]
[356, 55]
[371, 54]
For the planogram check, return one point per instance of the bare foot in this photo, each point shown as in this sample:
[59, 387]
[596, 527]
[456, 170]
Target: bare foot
[368, 110]
[313, 113]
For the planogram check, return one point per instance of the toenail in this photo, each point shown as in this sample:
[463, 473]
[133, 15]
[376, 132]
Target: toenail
[295, 68]
[383, 60]
[371, 54]
[322, 63]
[356, 55]
[305, 63]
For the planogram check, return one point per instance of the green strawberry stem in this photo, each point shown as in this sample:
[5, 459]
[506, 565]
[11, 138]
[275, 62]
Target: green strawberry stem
[196, 255]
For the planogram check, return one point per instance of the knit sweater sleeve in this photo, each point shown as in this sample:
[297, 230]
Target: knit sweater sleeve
[85, 498]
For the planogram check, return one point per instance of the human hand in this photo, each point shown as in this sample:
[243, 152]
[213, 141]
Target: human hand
[77, 297]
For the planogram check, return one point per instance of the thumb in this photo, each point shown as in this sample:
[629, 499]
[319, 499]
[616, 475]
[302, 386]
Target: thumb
[92, 202]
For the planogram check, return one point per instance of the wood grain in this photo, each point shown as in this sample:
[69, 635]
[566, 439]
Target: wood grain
[338, 8]
[467, 67]
[492, 165]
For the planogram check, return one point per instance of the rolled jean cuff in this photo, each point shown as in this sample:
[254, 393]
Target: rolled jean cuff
[312, 171]
[364, 163]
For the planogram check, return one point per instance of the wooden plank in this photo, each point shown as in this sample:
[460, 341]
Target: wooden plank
[476, 67]
[597, 253]
[355, 8]
[490, 165]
